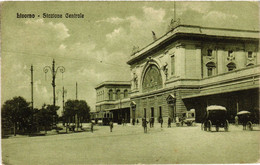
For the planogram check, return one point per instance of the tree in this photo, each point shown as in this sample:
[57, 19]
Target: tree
[16, 112]
[76, 111]
[47, 116]
[84, 111]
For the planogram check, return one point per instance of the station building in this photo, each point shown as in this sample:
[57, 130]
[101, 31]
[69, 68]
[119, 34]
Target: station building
[191, 67]
[113, 96]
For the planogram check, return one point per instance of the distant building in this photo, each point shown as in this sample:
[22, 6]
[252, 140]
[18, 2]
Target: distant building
[113, 96]
[191, 67]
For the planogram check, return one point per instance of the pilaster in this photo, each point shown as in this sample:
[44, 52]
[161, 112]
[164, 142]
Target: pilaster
[180, 60]
[198, 62]
[240, 59]
[220, 61]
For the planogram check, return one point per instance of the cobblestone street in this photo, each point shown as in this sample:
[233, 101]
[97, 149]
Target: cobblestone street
[128, 144]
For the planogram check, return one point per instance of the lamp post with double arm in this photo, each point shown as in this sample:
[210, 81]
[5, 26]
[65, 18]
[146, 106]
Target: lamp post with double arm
[54, 72]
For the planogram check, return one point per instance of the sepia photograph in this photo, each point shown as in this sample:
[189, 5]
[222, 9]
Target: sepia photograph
[129, 82]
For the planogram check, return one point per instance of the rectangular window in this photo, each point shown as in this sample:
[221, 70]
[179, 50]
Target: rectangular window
[152, 112]
[144, 112]
[250, 54]
[209, 52]
[210, 70]
[173, 65]
[160, 111]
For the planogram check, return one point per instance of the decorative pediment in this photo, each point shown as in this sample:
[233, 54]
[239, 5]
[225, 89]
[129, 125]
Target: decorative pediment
[133, 104]
[171, 99]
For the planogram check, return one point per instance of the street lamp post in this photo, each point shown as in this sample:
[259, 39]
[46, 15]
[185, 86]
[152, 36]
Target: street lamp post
[64, 92]
[54, 71]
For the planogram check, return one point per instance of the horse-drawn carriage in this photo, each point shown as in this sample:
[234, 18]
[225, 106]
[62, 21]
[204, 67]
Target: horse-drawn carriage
[246, 118]
[215, 116]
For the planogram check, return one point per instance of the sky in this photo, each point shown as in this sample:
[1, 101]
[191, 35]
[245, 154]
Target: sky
[95, 48]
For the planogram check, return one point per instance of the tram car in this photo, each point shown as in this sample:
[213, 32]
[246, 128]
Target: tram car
[102, 117]
[215, 116]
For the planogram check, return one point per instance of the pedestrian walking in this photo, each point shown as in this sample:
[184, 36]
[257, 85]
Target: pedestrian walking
[177, 121]
[151, 122]
[144, 123]
[169, 122]
[236, 120]
[161, 121]
[123, 122]
[92, 127]
[133, 121]
[111, 125]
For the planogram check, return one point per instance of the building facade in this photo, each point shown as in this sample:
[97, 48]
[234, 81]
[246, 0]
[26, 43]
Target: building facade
[113, 96]
[191, 67]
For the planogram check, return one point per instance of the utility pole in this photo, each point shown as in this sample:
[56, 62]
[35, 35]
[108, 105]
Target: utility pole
[174, 8]
[76, 91]
[76, 117]
[63, 91]
[32, 97]
[32, 85]
[54, 71]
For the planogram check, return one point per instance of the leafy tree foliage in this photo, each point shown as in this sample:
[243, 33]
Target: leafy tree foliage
[47, 116]
[76, 111]
[16, 113]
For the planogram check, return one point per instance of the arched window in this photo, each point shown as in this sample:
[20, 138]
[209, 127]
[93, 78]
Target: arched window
[250, 54]
[117, 94]
[110, 94]
[231, 66]
[152, 79]
[125, 93]
[210, 68]
[209, 52]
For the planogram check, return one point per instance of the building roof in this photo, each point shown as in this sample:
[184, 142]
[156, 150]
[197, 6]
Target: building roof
[190, 30]
[127, 83]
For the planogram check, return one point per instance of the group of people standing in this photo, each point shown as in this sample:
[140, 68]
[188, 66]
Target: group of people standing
[151, 121]
[144, 123]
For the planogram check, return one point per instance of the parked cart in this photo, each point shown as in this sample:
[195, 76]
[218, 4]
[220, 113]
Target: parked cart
[215, 116]
[245, 118]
